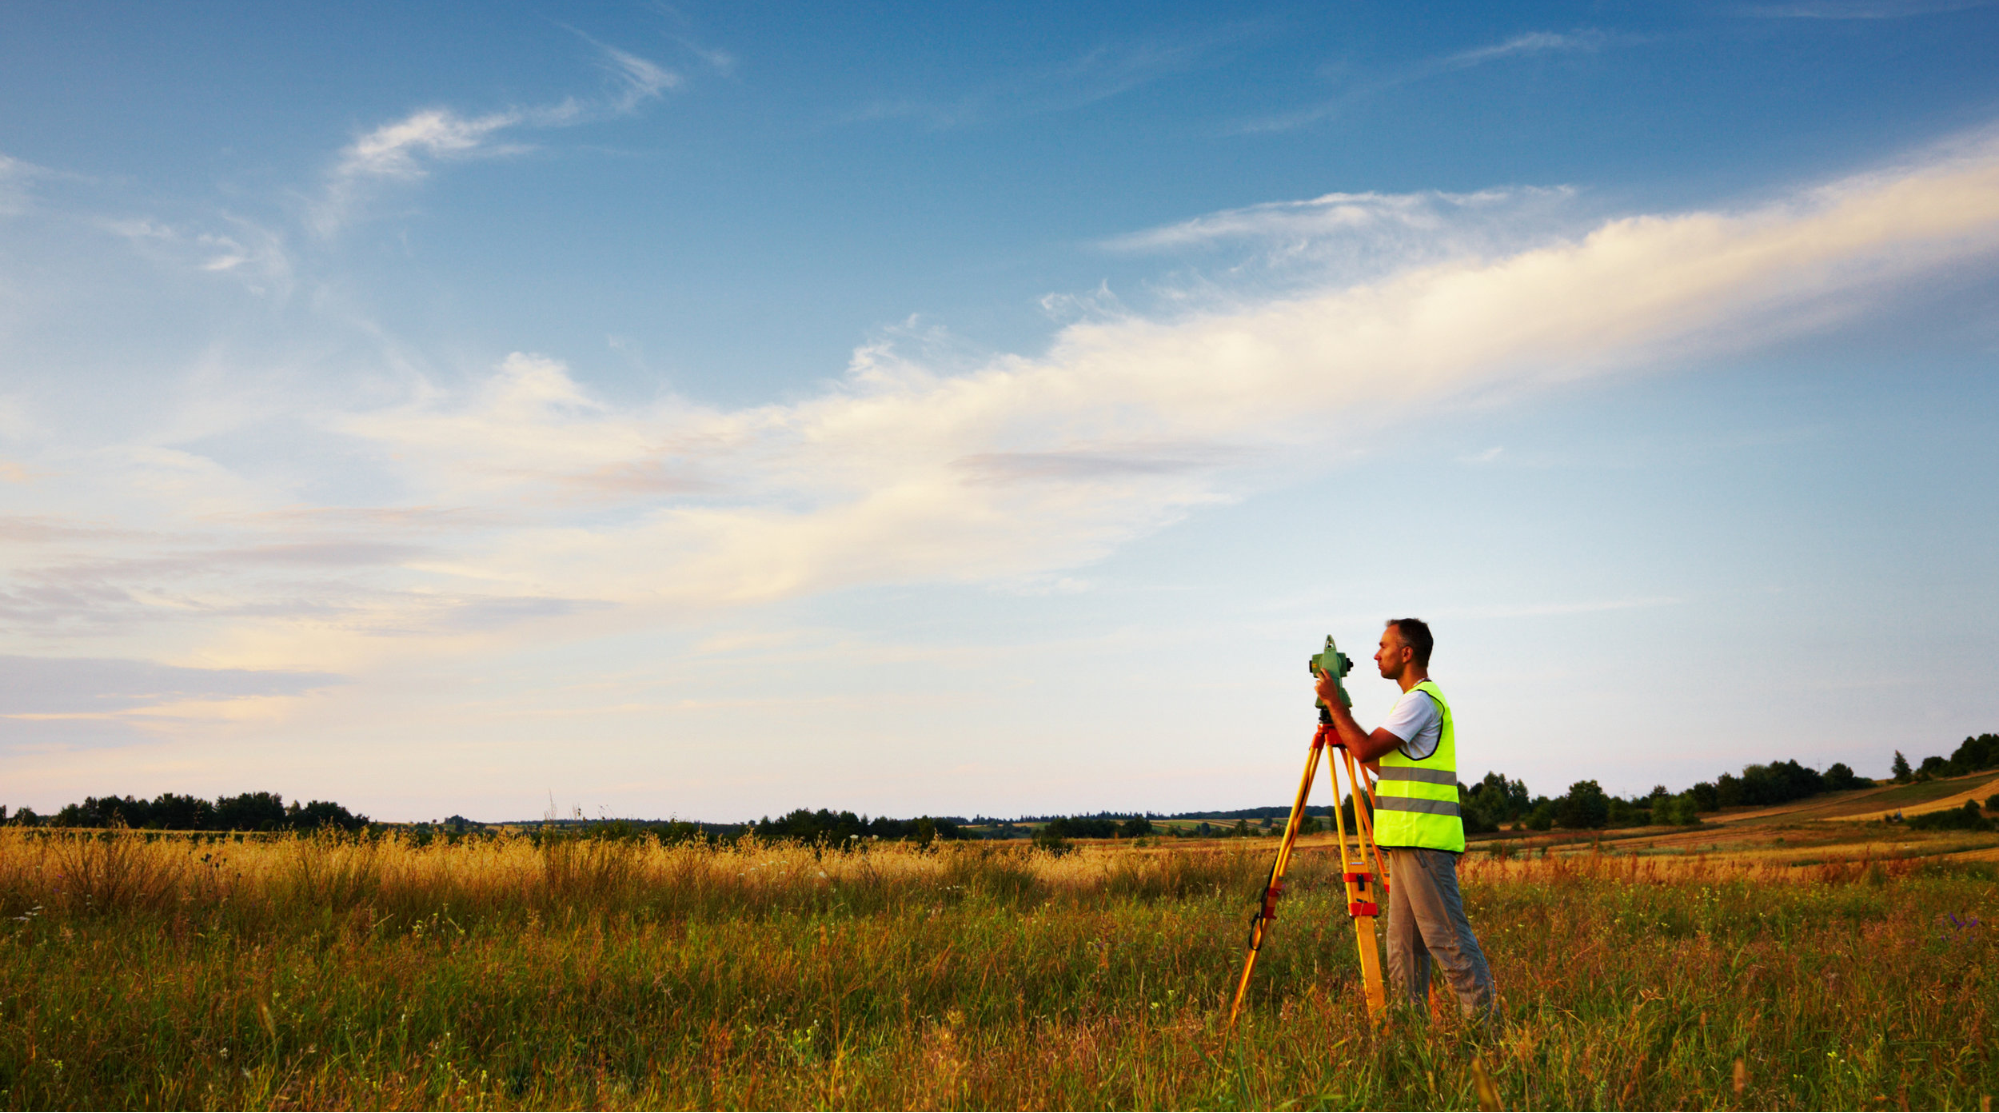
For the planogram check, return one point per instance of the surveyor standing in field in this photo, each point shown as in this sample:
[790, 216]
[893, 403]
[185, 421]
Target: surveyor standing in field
[1416, 821]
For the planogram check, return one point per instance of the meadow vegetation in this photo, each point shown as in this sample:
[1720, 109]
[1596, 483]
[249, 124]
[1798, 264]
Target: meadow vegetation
[148, 970]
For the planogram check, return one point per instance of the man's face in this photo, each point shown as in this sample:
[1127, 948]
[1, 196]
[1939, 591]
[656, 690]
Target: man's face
[1392, 654]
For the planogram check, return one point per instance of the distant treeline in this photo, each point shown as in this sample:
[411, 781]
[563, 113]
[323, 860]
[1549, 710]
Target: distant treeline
[251, 811]
[1498, 802]
[824, 826]
[1495, 803]
[1275, 811]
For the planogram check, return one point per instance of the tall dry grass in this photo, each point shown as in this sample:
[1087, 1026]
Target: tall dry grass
[327, 972]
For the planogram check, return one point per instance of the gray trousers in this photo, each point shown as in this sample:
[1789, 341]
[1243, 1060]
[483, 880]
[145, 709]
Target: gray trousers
[1426, 919]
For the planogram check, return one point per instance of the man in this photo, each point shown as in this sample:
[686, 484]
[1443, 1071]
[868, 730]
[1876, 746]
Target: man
[1416, 822]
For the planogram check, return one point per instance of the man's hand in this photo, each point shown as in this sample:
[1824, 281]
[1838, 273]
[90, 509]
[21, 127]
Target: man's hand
[1328, 689]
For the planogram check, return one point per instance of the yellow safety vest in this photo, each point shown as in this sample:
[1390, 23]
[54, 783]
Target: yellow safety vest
[1416, 802]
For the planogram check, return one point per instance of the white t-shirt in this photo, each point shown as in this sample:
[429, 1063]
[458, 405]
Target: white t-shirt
[1417, 722]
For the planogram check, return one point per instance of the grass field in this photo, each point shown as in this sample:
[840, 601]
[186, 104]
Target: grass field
[319, 973]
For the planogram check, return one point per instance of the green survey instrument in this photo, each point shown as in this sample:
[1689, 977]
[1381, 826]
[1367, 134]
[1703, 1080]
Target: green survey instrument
[1331, 662]
[1362, 883]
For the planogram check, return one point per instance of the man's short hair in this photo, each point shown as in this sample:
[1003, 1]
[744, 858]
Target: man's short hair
[1416, 635]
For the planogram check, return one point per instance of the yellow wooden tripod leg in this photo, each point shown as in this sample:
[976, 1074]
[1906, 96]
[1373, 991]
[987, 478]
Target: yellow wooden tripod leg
[1260, 924]
[1362, 889]
[1381, 866]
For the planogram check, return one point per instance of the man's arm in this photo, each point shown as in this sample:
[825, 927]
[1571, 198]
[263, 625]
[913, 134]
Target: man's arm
[1361, 744]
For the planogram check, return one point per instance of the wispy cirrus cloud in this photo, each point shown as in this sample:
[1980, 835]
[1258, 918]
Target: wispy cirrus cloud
[1527, 44]
[404, 150]
[1357, 235]
[1533, 42]
[248, 250]
[637, 79]
[17, 179]
[1331, 214]
[408, 149]
[1108, 71]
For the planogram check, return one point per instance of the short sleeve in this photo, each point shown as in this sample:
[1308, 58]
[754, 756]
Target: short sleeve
[1417, 722]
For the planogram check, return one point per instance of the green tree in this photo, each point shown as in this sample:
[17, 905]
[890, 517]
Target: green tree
[1049, 837]
[1677, 811]
[1840, 777]
[1584, 807]
[251, 811]
[1493, 802]
[1903, 774]
[325, 813]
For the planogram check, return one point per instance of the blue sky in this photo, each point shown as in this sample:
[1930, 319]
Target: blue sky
[671, 410]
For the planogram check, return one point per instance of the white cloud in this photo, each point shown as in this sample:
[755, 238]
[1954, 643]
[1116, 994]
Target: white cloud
[1030, 464]
[16, 178]
[721, 61]
[528, 502]
[1108, 71]
[406, 150]
[1533, 42]
[1354, 237]
[254, 254]
[395, 150]
[638, 80]
[1528, 43]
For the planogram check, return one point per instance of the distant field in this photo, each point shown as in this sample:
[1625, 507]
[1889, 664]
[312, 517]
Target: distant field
[497, 973]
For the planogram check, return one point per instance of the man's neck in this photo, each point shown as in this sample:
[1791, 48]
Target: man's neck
[1412, 676]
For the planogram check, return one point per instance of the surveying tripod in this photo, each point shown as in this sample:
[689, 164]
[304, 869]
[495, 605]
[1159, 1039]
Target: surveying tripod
[1362, 903]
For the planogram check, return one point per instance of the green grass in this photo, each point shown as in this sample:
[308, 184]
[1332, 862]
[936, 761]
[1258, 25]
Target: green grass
[309, 973]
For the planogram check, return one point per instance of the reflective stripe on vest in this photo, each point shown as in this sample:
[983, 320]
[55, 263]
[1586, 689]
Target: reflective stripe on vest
[1417, 801]
[1433, 807]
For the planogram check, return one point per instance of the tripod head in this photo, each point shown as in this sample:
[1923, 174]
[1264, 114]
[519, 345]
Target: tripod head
[1331, 662]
